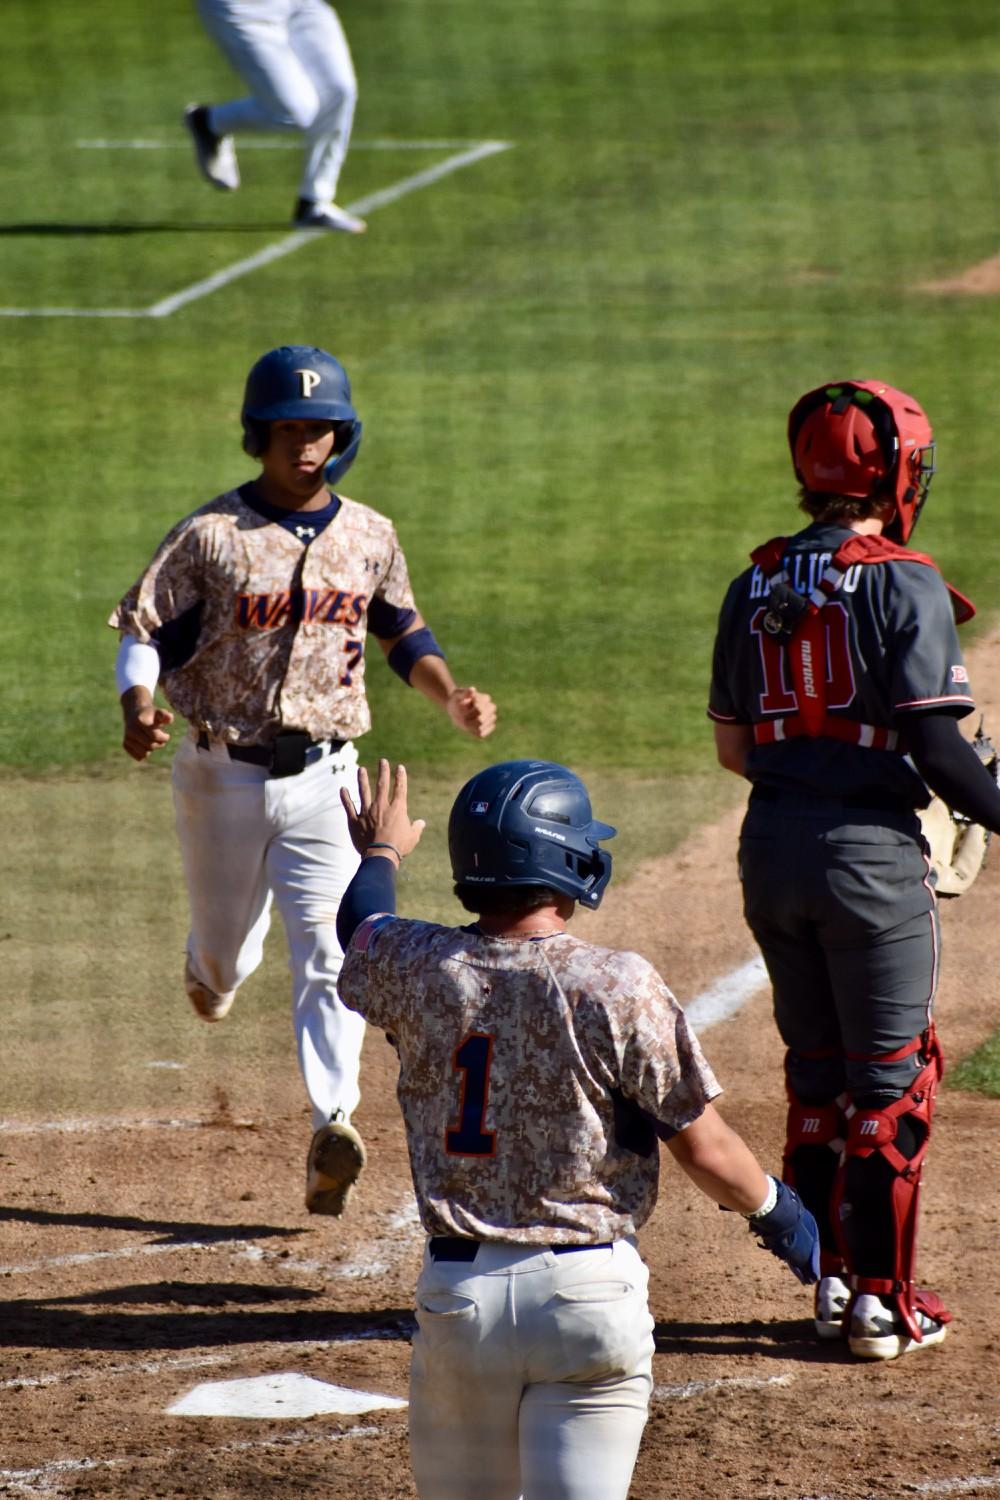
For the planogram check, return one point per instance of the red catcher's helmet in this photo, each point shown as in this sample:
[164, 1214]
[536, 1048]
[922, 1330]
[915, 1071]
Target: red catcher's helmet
[862, 438]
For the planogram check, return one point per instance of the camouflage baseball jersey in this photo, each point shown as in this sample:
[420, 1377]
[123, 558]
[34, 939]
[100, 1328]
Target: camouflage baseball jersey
[892, 650]
[531, 1076]
[260, 629]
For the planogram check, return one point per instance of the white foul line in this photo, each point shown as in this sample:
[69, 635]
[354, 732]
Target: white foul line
[44, 1475]
[287, 246]
[973, 1485]
[137, 143]
[726, 996]
[700, 1387]
[300, 237]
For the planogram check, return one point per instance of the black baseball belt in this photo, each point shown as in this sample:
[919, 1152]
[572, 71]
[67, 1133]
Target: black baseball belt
[286, 755]
[458, 1247]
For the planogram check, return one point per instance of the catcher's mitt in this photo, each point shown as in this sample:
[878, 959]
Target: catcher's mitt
[957, 845]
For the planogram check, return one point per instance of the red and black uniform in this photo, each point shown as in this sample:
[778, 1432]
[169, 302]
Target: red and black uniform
[837, 649]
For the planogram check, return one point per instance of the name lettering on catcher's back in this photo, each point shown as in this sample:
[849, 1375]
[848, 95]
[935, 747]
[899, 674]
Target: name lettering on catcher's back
[295, 606]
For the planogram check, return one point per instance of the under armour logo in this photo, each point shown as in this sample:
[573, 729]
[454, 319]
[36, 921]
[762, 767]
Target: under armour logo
[309, 379]
[305, 531]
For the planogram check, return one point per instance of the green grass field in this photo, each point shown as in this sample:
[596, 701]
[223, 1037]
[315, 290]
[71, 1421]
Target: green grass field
[574, 361]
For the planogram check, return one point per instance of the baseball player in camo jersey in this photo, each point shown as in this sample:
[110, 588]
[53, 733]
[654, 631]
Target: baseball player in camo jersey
[536, 1074]
[293, 56]
[837, 687]
[253, 616]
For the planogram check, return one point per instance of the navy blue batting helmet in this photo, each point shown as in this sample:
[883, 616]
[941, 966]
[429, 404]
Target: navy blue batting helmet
[300, 382]
[529, 822]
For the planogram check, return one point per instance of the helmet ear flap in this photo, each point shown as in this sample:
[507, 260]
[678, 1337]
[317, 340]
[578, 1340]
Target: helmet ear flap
[255, 436]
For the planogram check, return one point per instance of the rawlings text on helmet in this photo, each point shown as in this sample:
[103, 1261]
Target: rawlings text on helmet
[529, 822]
[301, 383]
[862, 438]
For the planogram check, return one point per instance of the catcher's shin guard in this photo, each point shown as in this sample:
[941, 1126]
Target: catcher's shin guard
[815, 1135]
[877, 1194]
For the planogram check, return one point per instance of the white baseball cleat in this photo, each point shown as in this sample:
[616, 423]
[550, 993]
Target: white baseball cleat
[209, 1005]
[878, 1332]
[336, 1160]
[832, 1297]
[215, 154]
[310, 215]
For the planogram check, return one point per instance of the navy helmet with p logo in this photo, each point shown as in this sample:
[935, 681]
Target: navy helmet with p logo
[301, 383]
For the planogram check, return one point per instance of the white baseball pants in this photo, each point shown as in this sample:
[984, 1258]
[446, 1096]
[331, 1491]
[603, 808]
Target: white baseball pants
[531, 1374]
[248, 839]
[293, 56]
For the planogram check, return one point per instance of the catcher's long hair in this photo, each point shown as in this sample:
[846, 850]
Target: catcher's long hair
[820, 506]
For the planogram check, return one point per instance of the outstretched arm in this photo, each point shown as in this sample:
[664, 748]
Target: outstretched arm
[721, 1164]
[382, 832]
[416, 656]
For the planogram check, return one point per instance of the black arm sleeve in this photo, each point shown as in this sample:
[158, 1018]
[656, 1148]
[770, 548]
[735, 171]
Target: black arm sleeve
[951, 767]
[372, 890]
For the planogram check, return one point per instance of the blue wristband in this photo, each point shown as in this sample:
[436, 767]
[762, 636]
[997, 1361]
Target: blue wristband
[409, 649]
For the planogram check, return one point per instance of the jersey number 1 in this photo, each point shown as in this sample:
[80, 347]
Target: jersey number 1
[468, 1137]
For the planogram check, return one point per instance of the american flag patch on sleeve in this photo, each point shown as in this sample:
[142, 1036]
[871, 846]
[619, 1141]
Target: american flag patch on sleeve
[364, 934]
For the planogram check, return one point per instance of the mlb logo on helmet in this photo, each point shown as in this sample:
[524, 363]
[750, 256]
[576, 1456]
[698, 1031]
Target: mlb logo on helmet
[478, 809]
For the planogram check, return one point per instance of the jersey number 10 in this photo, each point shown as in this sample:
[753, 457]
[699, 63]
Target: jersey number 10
[778, 696]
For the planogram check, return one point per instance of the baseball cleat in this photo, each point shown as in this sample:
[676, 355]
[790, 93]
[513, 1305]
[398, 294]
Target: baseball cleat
[336, 1160]
[310, 215]
[832, 1297]
[215, 154]
[209, 1005]
[878, 1332]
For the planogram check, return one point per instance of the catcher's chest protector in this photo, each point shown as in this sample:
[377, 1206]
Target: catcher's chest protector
[795, 622]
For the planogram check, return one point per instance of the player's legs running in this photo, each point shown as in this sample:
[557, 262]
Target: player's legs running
[310, 861]
[318, 40]
[257, 43]
[222, 833]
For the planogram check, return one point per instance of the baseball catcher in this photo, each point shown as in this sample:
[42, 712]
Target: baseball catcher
[837, 687]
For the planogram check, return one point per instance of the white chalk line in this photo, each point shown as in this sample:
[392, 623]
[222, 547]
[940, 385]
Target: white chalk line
[137, 1367]
[726, 996]
[137, 143]
[967, 1486]
[166, 306]
[28, 1480]
[182, 1362]
[402, 1230]
[124, 1252]
[702, 1387]
[94, 1127]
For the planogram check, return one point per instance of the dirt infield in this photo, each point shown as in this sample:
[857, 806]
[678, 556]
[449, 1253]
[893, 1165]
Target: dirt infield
[139, 1257]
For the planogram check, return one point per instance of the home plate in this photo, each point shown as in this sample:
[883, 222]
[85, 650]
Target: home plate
[288, 1395]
